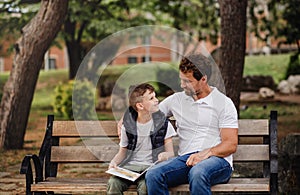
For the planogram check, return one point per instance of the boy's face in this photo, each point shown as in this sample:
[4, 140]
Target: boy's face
[149, 102]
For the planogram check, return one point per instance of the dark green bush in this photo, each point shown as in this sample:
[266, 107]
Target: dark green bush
[168, 81]
[294, 66]
[82, 104]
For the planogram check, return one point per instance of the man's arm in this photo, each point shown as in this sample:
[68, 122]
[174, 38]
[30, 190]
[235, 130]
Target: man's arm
[228, 145]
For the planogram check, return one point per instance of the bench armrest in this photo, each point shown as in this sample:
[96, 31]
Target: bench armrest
[27, 170]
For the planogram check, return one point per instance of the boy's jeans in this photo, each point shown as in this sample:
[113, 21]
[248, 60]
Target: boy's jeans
[174, 172]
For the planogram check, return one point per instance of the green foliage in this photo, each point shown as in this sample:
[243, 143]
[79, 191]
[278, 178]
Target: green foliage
[291, 29]
[294, 65]
[14, 15]
[64, 105]
[167, 81]
[272, 65]
[276, 18]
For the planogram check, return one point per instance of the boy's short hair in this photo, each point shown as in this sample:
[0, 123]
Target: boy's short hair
[198, 64]
[136, 93]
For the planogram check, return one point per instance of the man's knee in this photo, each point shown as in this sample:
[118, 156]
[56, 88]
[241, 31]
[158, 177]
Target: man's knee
[153, 175]
[198, 174]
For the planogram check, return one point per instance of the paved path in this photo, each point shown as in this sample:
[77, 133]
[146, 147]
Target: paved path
[12, 183]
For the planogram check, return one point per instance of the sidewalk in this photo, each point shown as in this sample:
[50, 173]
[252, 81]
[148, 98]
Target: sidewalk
[12, 183]
[254, 97]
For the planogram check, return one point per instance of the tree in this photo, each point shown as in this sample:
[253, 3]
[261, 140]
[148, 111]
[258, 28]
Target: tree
[88, 22]
[18, 92]
[233, 45]
[277, 19]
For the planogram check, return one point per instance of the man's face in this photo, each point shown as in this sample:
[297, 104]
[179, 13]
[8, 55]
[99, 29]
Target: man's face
[189, 84]
[150, 102]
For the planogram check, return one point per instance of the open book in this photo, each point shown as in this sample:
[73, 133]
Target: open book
[128, 174]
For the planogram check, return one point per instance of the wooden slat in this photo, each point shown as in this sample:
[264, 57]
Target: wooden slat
[235, 185]
[253, 127]
[251, 153]
[83, 154]
[84, 128]
[104, 153]
[99, 184]
[247, 127]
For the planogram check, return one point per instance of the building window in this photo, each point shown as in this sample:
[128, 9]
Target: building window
[144, 59]
[52, 63]
[132, 60]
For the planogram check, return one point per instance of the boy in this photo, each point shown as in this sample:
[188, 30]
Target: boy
[146, 137]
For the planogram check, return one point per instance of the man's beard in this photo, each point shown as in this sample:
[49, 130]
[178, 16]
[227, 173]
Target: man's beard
[191, 92]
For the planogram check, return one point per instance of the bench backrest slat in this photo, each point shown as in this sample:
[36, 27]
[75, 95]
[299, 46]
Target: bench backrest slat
[253, 127]
[106, 153]
[84, 128]
[83, 153]
[103, 148]
[247, 127]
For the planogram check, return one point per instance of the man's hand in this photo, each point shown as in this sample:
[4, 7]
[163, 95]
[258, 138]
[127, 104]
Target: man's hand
[198, 157]
[164, 156]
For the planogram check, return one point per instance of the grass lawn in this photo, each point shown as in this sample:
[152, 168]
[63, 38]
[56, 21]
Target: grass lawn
[273, 65]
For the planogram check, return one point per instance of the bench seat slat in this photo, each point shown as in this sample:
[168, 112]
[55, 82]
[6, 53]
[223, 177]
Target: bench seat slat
[105, 153]
[99, 184]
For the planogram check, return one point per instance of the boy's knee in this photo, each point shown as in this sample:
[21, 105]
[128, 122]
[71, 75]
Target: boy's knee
[142, 188]
[114, 186]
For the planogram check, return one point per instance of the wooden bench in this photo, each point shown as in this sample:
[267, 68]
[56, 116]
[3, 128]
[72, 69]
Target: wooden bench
[99, 144]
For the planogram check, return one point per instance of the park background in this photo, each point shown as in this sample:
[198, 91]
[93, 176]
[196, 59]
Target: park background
[270, 56]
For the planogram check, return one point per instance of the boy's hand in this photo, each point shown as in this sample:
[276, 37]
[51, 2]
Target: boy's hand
[112, 164]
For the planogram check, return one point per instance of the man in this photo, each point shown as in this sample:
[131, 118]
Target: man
[207, 127]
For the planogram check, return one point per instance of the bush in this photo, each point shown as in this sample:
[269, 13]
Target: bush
[83, 97]
[168, 82]
[294, 66]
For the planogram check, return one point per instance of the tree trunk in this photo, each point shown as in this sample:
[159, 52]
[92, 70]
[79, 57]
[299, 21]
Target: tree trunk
[233, 46]
[73, 47]
[18, 92]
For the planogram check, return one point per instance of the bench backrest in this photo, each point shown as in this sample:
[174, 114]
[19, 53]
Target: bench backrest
[99, 142]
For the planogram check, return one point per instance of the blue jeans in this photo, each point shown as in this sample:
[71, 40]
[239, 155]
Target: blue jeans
[200, 177]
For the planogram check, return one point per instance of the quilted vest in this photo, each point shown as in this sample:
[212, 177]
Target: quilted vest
[157, 136]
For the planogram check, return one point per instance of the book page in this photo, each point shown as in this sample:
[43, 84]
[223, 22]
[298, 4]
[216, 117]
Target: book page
[124, 173]
[128, 174]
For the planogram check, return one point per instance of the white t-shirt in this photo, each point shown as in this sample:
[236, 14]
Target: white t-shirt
[199, 122]
[142, 154]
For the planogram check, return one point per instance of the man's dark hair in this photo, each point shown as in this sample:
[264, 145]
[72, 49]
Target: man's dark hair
[198, 64]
